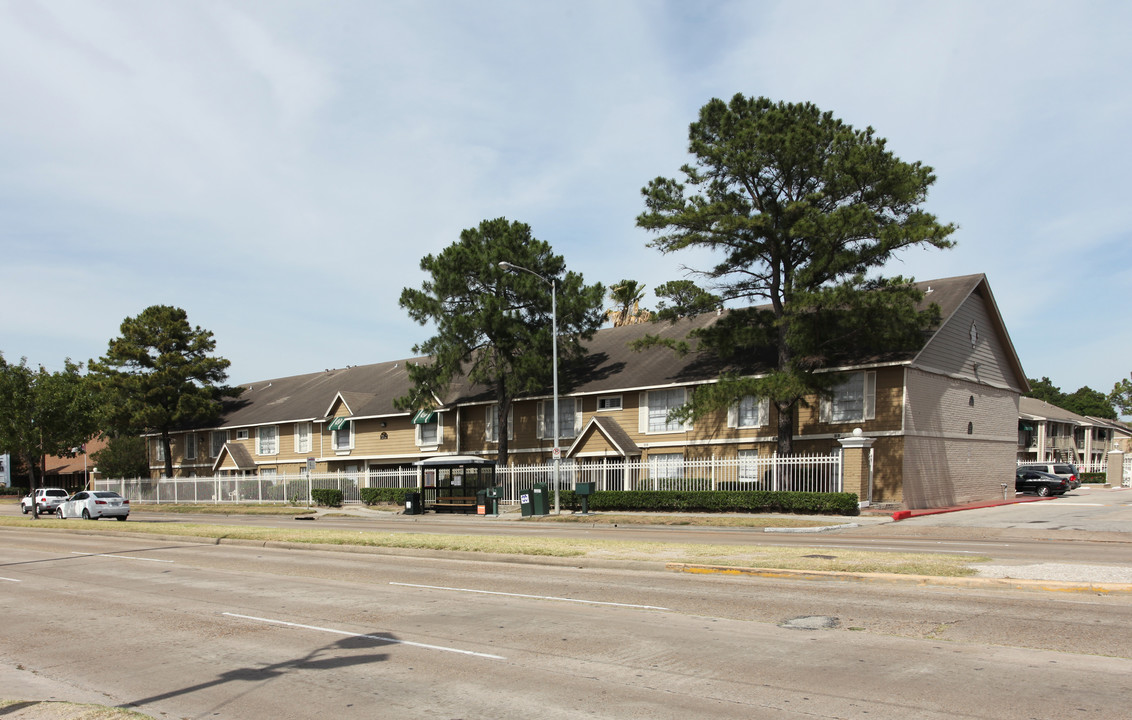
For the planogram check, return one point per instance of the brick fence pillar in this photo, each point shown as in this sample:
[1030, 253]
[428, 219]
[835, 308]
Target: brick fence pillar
[857, 465]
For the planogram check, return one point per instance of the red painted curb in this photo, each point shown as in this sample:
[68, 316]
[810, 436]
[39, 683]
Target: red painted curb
[905, 514]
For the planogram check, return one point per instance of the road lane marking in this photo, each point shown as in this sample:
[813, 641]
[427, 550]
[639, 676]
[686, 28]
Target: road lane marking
[391, 641]
[1063, 504]
[124, 557]
[534, 597]
[10, 579]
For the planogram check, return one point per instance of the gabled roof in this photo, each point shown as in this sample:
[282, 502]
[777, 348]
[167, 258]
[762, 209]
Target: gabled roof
[613, 433]
[611, 366]
[239, 456]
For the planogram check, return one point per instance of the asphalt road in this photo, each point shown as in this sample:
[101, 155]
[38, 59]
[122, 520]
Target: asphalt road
[190, 630]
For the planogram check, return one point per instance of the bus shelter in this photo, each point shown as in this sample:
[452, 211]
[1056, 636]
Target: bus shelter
[450, 483]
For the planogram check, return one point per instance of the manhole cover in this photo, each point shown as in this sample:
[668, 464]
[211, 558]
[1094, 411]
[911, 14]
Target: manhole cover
[811, 622]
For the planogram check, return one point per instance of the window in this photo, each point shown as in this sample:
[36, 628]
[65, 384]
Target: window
[748, 466]
[303, 437]
[242, 434]
[219, 437]
[491, 420]
[269, 473]
[190, 447]
[853, 400]
[609, 402]
[430, 433]
[266, 440]
[342, 436]
[750, 412]
[569, 418]
[655, 408]
[160, 454]
[666, 465]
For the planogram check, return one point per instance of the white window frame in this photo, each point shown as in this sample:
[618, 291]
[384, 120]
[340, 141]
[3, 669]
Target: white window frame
[748, 466]
[609, 403]
[243, 434]
[342, 439]
[853, 400]
[656, 404]
[567, 427]
[439, 423]
[267, 440]
[666, 466]
[491, 423]
[303, 432]
[160, 453]
[222, 436]
[191, 446]
[739, 414]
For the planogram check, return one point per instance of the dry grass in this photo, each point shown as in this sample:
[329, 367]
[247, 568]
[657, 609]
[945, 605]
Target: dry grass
[800, 558]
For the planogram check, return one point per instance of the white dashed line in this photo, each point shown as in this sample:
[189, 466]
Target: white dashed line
[123, 557]
[379, 638]
[533, 597]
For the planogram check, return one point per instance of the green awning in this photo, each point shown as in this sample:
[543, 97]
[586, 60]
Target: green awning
[1026, 426]
[423, 417]
[338, 423]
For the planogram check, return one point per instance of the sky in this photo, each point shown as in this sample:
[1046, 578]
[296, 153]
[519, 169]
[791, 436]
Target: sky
[279, 168]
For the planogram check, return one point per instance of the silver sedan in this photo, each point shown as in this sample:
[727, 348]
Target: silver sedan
[94, 504]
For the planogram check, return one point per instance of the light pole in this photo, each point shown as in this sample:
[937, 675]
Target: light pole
[554, 362]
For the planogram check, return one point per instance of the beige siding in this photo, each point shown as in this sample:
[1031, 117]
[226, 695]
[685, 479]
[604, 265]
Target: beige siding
[944, 463]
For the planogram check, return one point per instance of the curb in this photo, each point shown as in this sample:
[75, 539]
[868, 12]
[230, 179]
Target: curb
[905, 514]
[925, 580]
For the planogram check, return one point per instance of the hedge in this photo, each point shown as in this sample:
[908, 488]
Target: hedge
[740, 501]
[373, 496]
[1094, 477]
[331, 497]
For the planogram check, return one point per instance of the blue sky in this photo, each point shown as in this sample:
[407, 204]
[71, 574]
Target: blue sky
[278, 168]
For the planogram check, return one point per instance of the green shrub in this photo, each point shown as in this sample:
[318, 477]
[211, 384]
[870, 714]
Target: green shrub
[374, 496]
[740, 501]
[330, 497]
[1094, 477]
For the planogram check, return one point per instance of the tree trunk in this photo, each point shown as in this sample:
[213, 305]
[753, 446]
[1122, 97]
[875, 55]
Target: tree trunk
[31, 463]
[786, 428]
[166, 444]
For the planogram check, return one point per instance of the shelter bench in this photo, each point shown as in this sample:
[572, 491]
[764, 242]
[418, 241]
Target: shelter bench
[455, 504]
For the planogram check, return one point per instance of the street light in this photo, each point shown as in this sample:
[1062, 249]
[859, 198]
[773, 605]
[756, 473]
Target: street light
[554, 340]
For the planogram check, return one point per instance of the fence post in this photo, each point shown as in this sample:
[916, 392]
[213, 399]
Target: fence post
[855, 466]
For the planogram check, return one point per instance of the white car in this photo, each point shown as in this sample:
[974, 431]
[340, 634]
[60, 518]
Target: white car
[47, 500]
[94, 504]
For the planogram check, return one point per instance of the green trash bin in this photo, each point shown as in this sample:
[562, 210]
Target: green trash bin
[533, 501]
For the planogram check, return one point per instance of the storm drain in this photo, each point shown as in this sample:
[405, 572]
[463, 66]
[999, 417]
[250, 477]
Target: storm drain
[811, 622]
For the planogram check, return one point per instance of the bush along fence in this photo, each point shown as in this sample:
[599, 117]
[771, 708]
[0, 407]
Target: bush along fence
[751, 480]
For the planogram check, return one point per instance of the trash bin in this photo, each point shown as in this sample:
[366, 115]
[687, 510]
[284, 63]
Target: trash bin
[534, 501]
[481, 502]
[583, 490]
[413, 505]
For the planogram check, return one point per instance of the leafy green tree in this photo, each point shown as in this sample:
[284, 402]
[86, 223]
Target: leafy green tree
[160, 375]
[1121, 396]
[1087, 401]
[123, 456]
[626, 296]
[494, 325]
[1046, 391]
[43, 413]
[683, 298]
[800, 207]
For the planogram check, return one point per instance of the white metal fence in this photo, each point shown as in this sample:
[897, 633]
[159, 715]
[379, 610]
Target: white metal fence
[809, 473]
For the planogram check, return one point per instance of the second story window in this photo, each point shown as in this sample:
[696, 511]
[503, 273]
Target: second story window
[190, 447]
[657, 404]
[303, 437]
[853, 400]
[219, 437]
[267, 440]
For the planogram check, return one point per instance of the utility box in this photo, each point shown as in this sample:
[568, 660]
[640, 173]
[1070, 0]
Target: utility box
[583, 490]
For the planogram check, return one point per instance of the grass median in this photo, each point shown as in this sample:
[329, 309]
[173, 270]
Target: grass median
[758, 556]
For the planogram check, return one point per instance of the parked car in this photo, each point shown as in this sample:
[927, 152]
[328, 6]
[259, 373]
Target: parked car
[1060, 469]
[94, 504]
[1042, 483]
[46, 500]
